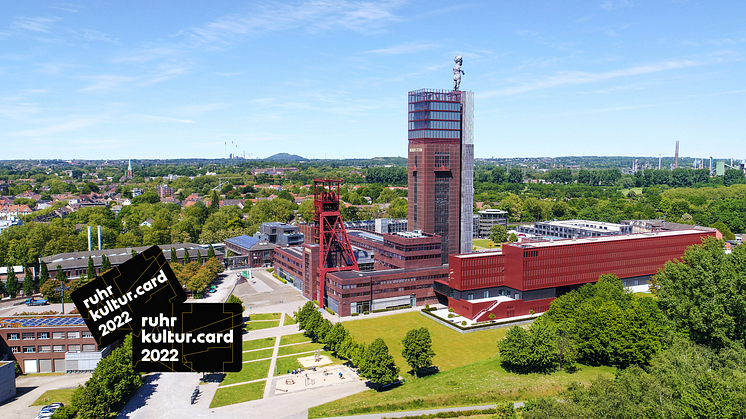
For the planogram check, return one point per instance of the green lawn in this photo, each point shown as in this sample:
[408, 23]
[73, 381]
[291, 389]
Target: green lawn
[264, 353]
[483, 382]
[262, 324]
[265, 316]
[289, 320]
[638, 191]
[302, 347]
[286, 364]
[250, 371]
[238, 394]
[248, 345]
[452, 349]
[296, 338]
[54, 396]
[485, 243]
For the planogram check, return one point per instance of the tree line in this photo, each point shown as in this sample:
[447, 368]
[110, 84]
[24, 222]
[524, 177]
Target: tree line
[374, 361]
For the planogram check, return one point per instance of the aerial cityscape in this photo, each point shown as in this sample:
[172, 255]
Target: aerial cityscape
[218, 210]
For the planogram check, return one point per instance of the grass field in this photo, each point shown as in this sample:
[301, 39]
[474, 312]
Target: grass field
[286, 364]
[297, 338]
[238, 394]
[248, 345]
[264, 353]
[452, 349]
[302, 347]
[250, 371]
[482, 243]
[54, 396]
[289, 320]
[638, 191]
[266, 316]
[483, 382]
[262, 324]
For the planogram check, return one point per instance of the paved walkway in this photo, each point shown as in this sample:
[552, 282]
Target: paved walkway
[273, 362]
[30, 388]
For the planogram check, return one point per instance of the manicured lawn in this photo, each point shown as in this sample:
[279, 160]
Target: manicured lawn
[265, 316]
[55, 396]
[257, 344]
[452, 349]
[303, 347]
[264, 353]
[250, 371]
[637, 191]
[289, 320]
[483, 382]
[262, 324]
[297, 338]
[286, 364]
[238, 394]
[482, 243]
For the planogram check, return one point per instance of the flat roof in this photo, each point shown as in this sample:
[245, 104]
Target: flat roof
[365, 235]
[365, 275]
[40, 321]
[604, 239]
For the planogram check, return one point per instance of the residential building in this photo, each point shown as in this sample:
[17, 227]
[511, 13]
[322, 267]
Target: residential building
[491, 217]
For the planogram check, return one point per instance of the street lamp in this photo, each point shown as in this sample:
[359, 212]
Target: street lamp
[63, 288]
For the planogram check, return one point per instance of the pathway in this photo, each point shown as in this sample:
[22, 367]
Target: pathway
[273, 362]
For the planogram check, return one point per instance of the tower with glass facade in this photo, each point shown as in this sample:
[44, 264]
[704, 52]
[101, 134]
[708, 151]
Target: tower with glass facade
[441, 166]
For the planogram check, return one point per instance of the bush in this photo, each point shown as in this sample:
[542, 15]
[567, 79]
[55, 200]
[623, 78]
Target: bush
[330, 311]
[365, 312]
[427, 306]
[354, 313]
[531, 312]
[18, 369]
[270, 270]
[492, 316]
[451, 315]
[451, 310]
[281, 280]
[463, 323]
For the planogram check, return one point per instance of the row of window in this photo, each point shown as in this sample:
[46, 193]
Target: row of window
[429, 133]
[416, 116]
[435, 124]
[45, 335]
[434, 106]
[400, 289]
[88, 347]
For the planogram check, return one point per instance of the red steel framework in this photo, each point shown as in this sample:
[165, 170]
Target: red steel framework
[329, 232]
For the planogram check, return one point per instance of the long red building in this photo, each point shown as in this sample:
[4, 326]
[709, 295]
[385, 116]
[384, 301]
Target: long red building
[526, 277]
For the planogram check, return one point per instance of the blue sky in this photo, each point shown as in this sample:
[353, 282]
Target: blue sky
[329, 78]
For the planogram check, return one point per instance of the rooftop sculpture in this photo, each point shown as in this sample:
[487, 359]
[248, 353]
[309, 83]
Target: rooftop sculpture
[457, 72]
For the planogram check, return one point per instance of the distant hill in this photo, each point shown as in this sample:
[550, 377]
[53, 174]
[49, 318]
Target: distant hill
[285, 157]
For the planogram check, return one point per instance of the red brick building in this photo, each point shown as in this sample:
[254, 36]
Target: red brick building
[528, 276]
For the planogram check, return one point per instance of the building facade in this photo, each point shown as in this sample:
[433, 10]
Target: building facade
[252, 251]
[49, 343]
[491, 217]
[528, 276]
[441, 167]
[574, 228]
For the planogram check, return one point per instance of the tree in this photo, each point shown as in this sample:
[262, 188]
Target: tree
[43, 273]
[532, 350]
[210, 252]
[91, 268]
[174, 258]
[199, 257]
[378, 365]
[724, 230]
[703, 294]
[11, 283]
[498, 233]
[2, 289]
[335, 336]
[418, 349]
[236, 300]
[512, 238]
[105, 264]
[134, 253]
[214, 201]
[28, 282]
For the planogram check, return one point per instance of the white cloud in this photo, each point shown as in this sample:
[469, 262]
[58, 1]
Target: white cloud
[404, 49]
[72, 125]
[312, 16]
[36, 24]
[581, 77]
[106, 83]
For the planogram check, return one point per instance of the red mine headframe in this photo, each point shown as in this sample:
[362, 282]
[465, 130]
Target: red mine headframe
[329, 232]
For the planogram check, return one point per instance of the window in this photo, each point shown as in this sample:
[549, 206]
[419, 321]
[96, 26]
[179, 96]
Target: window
[15, 349]
[73, 348]
[89, 347]
[42, 335]
[14, 336]
[73, 335]
[469, 296]
[58, 335]
[58, 348]
[28, 336]
[486, 294]
[87, 335]
[29, 349]
[45, 348]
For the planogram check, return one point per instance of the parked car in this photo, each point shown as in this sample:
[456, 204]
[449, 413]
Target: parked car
[34, 302]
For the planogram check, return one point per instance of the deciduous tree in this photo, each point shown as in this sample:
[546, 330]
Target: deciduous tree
[378, 365]
[418, 349]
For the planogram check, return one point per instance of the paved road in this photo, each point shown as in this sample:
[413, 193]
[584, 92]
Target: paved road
[30, 388]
